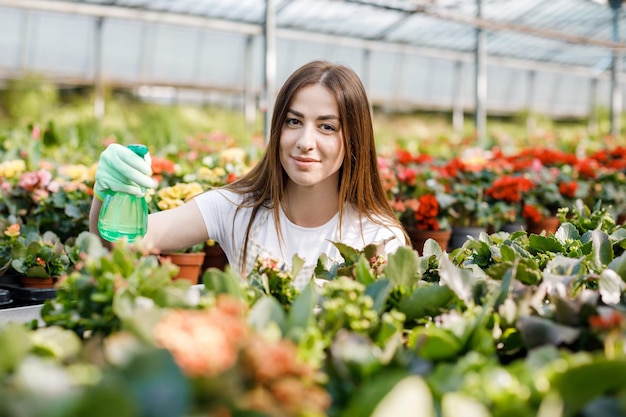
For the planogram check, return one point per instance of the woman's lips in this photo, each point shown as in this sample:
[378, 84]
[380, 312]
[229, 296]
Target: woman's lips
[303, 162]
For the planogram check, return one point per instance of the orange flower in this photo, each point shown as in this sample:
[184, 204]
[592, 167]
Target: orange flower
[13, 230]
[203, 343]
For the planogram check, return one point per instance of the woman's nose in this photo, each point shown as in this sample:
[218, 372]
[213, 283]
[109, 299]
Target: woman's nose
[306, 141]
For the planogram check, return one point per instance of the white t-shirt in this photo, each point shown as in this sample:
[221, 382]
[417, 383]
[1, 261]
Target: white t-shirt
[218, 211]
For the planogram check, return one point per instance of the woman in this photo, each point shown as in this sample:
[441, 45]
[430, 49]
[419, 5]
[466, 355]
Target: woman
[317, 183]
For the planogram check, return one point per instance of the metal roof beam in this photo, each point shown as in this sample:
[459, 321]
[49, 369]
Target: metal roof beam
[482, 23]
[289, 34]
[119, 12]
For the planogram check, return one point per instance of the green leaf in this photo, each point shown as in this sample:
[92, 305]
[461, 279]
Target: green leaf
[579, 385]
[57, 342]
[435, 343]
[619, 265]
[302, 310]
[264, 312]
[158, 385]
[426, 300]
[602, 249]
[401, 267]
[507, 253]
[455, 404]
[610, 286]
[371, 392]
[410, 397]
[349, 254]
[222, 282]
[545, 244]
[461, 281]
[379, 291]
[567, 231]
[537, 331]
[296, 264]
[15, 344]
[363, 271]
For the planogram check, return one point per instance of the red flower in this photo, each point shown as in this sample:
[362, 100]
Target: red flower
[531, 213]
[426, 213]
[429, 207]
[568, 189]
[508, 188]
[609, 321]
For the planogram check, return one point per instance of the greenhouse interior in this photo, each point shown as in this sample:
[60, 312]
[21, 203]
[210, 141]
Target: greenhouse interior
[308, 208]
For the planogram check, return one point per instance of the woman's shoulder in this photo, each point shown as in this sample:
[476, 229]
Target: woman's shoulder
[221, 195]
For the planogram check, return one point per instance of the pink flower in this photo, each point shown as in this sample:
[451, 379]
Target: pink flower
[29, 181]
[36, 132]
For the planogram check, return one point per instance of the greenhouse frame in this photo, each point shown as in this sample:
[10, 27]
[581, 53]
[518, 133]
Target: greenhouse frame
[562, 58]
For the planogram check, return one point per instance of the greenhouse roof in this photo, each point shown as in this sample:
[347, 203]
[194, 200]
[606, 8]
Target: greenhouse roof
[572, 33]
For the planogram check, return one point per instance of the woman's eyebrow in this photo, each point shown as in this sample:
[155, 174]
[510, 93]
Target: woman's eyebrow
[325, 117]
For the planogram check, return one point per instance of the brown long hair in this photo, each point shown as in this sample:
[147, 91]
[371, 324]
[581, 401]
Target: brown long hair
[359, 184]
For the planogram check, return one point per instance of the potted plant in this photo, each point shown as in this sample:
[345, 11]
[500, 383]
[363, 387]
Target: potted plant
[418, 198]
[505, 198]
[470, 212]
[39, 259]
[8, 239]
[190, 260]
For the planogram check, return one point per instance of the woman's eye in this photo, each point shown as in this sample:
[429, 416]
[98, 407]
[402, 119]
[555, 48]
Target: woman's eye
[293, 122]
[329, 128]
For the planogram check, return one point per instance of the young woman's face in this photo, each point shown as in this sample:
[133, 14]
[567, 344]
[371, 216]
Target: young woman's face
[311, 141]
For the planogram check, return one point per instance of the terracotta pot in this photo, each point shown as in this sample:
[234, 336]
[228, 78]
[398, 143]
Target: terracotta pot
[189, 265]
[37, 282]
[460, 235]
[419, 237]
[214, 257]
[548, 224]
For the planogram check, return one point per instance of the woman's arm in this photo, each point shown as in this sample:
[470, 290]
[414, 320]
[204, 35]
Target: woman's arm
[168, 230]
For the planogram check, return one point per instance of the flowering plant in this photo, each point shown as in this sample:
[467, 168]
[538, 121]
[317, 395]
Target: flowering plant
[49, 198]
[39, 256]
[167, 198]
[8, 239]
[416, 193]
[466, 181]
[552, 188]
[505, 197]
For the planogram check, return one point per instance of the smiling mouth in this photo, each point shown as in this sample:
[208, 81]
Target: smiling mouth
[304, 160]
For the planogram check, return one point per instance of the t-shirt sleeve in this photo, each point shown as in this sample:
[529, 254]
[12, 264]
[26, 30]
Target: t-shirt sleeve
[218, 212]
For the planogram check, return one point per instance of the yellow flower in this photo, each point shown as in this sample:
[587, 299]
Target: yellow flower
[12, 169]
[232, 155]
[211, 176]
[78, 173]
[169, 203]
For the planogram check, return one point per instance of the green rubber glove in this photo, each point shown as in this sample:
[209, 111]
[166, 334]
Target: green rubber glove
[122, 170]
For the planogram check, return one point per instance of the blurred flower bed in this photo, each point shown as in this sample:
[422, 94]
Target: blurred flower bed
[481, 188]
[512, 324]
[504, 325]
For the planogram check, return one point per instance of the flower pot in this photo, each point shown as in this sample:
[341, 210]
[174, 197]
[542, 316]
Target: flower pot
[37, 282]
[189, 265]
[214, 257]
[419, 237]
[549, 224]
[461, 234]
